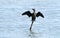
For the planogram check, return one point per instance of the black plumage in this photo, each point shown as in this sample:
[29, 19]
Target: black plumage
[33, 15]
[39, 14]
[28, 13]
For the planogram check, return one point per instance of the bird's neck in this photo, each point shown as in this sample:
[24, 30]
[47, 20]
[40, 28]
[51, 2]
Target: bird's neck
[33, 11]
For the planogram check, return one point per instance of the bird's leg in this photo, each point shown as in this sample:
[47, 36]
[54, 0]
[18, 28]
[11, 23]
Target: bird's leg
[31, 25]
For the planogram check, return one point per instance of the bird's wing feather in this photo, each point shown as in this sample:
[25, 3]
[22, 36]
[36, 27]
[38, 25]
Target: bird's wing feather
[39, 14]
[28, 13]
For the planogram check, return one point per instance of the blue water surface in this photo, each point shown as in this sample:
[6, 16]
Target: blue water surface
[14, 25]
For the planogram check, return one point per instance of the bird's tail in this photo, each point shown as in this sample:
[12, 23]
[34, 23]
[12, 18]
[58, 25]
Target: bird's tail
[31, 25]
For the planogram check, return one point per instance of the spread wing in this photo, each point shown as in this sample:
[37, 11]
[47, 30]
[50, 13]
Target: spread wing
[39, 14]
[28, 13]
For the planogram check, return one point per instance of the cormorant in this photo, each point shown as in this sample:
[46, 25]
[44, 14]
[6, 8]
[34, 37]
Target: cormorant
[33, 15]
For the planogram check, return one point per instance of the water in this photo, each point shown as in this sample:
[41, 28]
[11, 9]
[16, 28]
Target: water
[14, 25]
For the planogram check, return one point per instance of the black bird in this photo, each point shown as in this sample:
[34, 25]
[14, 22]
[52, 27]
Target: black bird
[33, 15]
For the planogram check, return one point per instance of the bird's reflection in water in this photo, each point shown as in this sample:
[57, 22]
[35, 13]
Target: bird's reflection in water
[32, 34]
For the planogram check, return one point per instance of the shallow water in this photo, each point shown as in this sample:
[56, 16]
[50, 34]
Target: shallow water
[14, 25]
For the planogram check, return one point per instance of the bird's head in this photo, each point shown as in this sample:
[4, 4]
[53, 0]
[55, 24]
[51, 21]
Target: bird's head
[33, 10]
